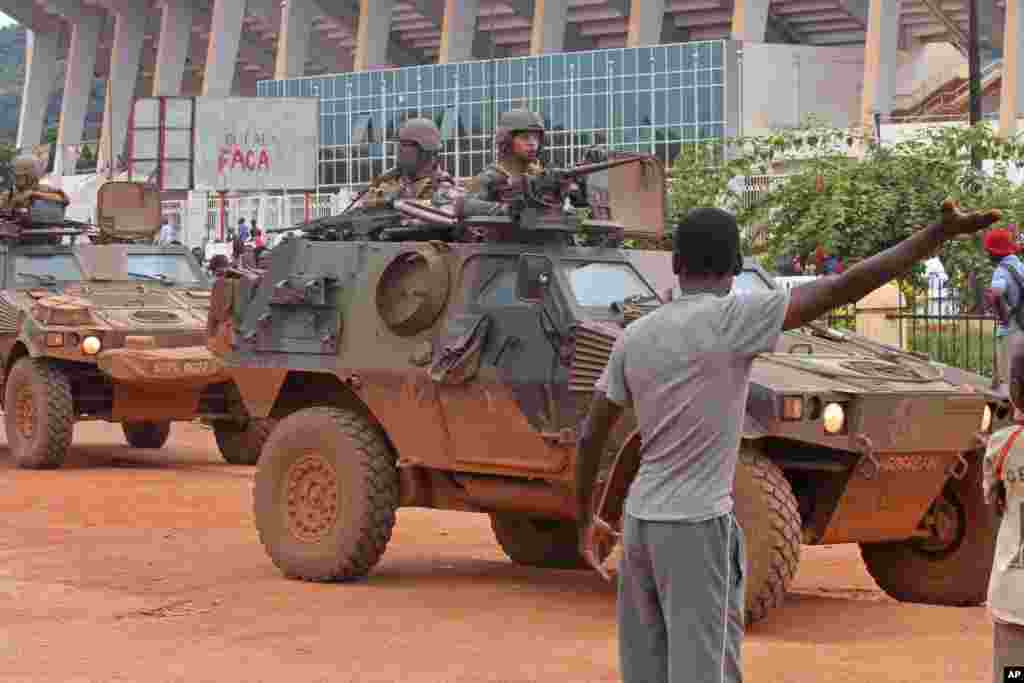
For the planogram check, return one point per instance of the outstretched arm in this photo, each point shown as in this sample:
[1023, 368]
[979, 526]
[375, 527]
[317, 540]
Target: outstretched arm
[810, 301]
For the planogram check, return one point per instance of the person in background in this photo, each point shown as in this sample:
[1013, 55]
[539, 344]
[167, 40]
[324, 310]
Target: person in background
[1003, 487]
[166, 234]
[684, 372]
[237, 246]
[243, 230]
[259, 240]
[1004, 296]
[218, 264]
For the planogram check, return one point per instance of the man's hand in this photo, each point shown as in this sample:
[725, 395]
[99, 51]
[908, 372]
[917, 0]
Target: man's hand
[596, 541]
[956, 223]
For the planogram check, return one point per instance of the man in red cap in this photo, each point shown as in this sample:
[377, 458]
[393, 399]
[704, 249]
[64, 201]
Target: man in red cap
[1005, 296]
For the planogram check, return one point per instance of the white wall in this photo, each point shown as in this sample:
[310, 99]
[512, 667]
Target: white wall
[783, 84]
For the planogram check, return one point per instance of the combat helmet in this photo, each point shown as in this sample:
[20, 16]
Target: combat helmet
[422, 132]
[514, 122]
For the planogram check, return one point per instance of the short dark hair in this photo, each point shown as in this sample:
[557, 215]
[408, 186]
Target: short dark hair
[707, 242]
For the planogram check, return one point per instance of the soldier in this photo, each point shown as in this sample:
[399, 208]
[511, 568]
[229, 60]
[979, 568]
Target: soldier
[418, 175]
[26, 182]
[519, 141]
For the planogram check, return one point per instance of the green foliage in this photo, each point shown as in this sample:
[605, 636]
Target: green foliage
[856, 207]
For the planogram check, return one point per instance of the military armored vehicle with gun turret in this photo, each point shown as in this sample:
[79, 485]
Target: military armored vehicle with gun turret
[100, 323]
[454, 375]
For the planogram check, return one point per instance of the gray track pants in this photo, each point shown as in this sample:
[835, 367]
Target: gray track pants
[681, 593]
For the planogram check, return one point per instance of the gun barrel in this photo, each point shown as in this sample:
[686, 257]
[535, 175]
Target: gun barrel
[424, 213]
[587, 169]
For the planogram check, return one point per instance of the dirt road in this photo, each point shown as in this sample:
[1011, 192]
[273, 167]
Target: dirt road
[144, 566]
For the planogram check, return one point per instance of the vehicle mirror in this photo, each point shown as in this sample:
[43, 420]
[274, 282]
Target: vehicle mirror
[533, 278]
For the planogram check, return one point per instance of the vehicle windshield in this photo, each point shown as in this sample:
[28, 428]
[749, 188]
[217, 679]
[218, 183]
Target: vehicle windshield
[749, 281]
[33, 270]
[170, 267]
[602, 284]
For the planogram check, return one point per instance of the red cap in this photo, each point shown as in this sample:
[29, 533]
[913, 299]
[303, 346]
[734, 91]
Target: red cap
[1000, 242]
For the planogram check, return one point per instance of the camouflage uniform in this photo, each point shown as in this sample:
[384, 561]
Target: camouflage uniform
[434, 186]
[26, 184]
[500, 184]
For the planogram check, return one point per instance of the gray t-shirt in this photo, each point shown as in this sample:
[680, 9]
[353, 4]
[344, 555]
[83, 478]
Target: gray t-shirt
[686, 369]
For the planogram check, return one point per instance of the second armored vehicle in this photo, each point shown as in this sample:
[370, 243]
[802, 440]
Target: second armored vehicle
[110, 330]
[455, 375]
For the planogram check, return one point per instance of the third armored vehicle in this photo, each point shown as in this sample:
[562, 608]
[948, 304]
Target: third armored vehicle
[454, 375]
[111, 330]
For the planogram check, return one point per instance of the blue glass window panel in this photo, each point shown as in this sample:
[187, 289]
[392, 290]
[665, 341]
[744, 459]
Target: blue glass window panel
[689, 133]
[704, 112]
[600, 64]
[584, 65]
[326, 131]
[543, 70]
[675, 57]
[717, 76]
[517, 91]
[556, 112]
[675, 80]
[558, 69]
[675, 107]
[426, 81]
[584, 112]
[689, 79]
[626, 108]
[660, 113]
[703, 77]
[559, 89]
[644, 57]
[600, 111]
[584, 86]
[517, 71]
[717, 50]
[627, 63]
[718, 104]
[703, 56]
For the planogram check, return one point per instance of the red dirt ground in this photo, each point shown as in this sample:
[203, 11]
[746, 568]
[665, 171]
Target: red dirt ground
[140, 566]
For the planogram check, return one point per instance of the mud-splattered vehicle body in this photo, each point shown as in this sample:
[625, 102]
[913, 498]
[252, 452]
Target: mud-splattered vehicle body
[112, 329]
[455, 375]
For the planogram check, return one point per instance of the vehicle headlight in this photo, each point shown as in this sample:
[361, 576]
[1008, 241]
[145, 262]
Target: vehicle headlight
[834, 417]
[986, 418]
[91, 346]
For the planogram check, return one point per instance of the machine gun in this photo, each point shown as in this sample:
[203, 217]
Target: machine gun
[42, 222]
[359, 224]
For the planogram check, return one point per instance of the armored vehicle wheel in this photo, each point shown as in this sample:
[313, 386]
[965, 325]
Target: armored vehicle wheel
[146, 434]
[326, 494]
[536, 542]
[767, 511]
[951, 566]
[242, 445]
[38, 414]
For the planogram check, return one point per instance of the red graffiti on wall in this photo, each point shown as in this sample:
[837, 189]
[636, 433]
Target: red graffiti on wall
[234, 157]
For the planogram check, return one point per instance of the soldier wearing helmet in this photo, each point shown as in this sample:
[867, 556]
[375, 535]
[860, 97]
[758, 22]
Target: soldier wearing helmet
[418, 175]
[519, 141]
[26, 184]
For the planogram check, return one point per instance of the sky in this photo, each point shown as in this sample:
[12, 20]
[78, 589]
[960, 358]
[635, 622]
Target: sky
[5, 20]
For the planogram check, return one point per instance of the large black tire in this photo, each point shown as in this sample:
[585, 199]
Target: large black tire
[39, 414]
[537, 542]
[768, 514]
[242, 445]
[146, 434]
[956, 575]
[326, 494]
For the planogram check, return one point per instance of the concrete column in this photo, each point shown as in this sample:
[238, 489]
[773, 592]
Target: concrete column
[172, 48]
[1013, 78]
[646, 18]
[879, 61]
[374, 33]
[79, 72]
[458, 29]
[293, 39]
[550, 18]
[129, 30]
[40, 73]
[222, 50]
[750, 20]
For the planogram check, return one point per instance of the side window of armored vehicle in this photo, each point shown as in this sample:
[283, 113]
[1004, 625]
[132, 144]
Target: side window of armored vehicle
[750, 281]
[492, 279]
[173, 267]
[600, 284]
[31, 270]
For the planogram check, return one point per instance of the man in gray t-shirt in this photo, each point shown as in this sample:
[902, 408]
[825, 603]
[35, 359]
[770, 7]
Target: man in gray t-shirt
[685, 370]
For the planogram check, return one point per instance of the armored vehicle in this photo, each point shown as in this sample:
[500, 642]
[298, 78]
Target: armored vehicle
[108, 326]
[454, 375]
